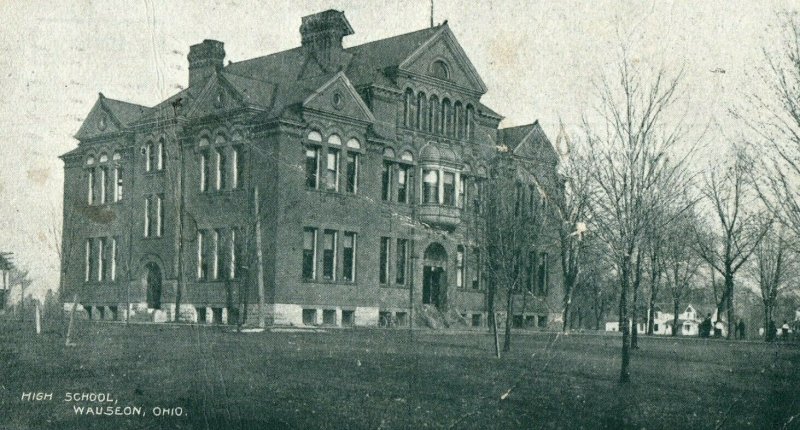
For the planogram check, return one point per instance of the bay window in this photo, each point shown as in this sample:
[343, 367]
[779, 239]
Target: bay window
[430, 186]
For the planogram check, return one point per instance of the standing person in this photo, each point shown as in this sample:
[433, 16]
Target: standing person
[740, 328]
[785, 330]
[705, 326]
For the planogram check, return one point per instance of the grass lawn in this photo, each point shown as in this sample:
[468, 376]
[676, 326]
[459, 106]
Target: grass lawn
[378, 379]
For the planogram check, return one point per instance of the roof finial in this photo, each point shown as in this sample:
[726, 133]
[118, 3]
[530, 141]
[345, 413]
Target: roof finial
[431, 13]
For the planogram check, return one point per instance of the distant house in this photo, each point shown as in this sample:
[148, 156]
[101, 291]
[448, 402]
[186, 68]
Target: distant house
[614, 326]
[688, 323]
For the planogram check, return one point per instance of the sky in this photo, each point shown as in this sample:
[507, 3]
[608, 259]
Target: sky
[539, 59]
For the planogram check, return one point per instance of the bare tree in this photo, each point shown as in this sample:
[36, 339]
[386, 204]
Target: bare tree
[512, 230]
[775, 263]
[738, 224]
[680, 262]
[776, 124]
[64, 245]
[573, 212]
[637, 169]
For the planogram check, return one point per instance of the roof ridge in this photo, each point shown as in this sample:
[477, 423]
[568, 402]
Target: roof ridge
[436, 27]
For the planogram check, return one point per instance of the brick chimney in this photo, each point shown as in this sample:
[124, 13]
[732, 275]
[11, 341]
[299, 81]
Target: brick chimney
[322, 35]
[204, 60]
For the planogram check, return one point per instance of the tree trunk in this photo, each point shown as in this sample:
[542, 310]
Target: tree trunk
[625, 373]
[651, 319]
[731, 311]
[567, 302]
[509, 320]
[637, 280]
[496, 335]
[675, 309]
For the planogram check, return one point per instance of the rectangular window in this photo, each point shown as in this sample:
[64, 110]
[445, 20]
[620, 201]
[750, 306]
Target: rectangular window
[402, 258]
[220, 169]
[430, 186]
[476, 268]
[386, 181]
[531, 271]
[117, 183]
[532, 200]
[462, 191]
[101, 259]
[202, 265]
[460, 267]
[384, 261]
[103, 181]
[332, 170]
[215, 255]
[88, 261]
[349, 257]
[204, 171]
[90, 196]
[542, 274]
[236, 170]
[114, 257]
[329, 255]
[403, 183]
[159, 216]
[309, 252]
[352, 173]
[312, 168]
[449, 188]
[147, 216]
[233, 248]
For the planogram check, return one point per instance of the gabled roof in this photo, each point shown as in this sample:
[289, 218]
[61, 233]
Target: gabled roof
[370, 60]
[125, 112]
[120, 114]
[284, 79]
[527, 140]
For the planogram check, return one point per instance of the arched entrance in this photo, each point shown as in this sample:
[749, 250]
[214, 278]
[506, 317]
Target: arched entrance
[434, 276]
[152, 280]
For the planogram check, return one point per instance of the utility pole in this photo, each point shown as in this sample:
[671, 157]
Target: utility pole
[431, 13]
[259, 260]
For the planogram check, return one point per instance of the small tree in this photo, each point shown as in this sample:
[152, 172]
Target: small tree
[572, 211]
[738, 224]
[512, 230]
[637, 170]
[773, 266]
[680, 262]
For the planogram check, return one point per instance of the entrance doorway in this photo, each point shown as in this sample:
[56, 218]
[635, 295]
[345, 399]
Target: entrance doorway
[434, 276]
[153, 282]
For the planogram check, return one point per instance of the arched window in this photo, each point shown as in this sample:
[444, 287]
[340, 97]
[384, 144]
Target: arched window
[421, 102]
[433, 115]
[439, 70]
[103, 158]
[446, 120]
[407, 107]
[334, 139]
[457, 120]
[314, 136]
[470, 122]
[407, 156]
[150, 157]
[354, 143]
[90, 161]
[161, 156]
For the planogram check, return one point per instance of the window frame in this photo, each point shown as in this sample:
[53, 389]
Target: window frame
[351, 267]
[313, 252]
